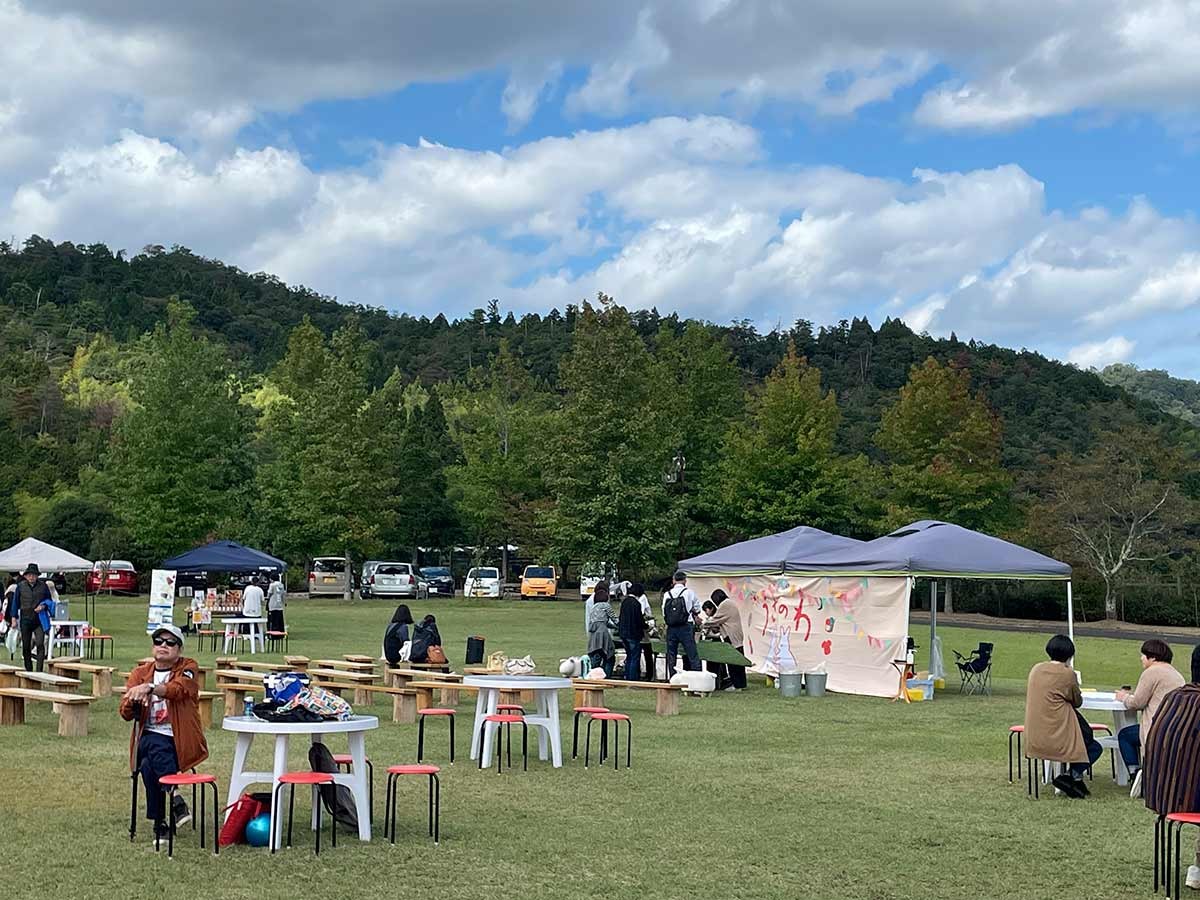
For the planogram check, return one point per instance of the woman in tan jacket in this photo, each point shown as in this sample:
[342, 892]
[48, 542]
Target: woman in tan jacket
[725, 618]
[1158, 679]
[1054, 729]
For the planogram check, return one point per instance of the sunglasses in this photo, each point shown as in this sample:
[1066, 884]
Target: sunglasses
[166, 642]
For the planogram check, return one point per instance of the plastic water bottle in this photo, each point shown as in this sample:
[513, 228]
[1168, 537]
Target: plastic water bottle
[248, 708]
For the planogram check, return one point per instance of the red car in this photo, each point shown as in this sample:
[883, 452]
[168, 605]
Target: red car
[115, 575]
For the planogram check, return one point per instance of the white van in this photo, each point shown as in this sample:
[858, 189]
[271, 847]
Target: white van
[483, 581]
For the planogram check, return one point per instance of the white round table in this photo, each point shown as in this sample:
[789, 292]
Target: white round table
[232, 632]
[355, 729]
[545, 691]
[1122, 718]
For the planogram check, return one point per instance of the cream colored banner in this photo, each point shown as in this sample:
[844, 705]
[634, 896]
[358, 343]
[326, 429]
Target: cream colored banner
[851, 627]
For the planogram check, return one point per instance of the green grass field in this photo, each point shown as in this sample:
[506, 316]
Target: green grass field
[741, 796]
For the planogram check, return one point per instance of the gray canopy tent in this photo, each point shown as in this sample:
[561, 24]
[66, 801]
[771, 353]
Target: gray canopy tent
[941, 550]
[770, 555]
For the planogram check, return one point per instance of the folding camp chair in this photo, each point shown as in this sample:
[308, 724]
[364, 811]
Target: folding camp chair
[975, 670]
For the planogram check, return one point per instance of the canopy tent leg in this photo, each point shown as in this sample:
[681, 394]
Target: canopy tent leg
[1070, 614]
[935, 644]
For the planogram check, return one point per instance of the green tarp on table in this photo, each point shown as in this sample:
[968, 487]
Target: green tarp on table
[711, 651]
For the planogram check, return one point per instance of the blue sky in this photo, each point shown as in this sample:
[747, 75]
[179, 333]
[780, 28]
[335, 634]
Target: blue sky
[1011, 175]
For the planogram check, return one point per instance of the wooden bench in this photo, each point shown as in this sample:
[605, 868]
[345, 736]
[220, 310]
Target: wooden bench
[42, 681]
[404, 700]
[359, 658]
[590, 692]
[102, 676]
[401, 676]
[298, 663]
[235, 684]
[206, 708]
[348, 665]
[73, 715]
[249, 666]
[449, 693]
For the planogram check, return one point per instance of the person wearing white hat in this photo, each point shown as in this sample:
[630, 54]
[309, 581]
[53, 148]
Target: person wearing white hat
[163, 697]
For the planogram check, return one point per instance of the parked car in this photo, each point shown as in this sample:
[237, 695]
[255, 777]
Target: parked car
[364, 579]
[539, 581]
[397, 579]
[483, 581]
[116, 575]
[593, 574]
[439, 579]
[327, 576]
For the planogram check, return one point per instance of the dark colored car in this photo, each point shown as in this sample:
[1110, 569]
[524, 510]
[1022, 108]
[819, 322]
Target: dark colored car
[440, 581]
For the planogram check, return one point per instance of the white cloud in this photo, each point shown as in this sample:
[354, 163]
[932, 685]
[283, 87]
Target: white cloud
[680, 213]
[1101, 353]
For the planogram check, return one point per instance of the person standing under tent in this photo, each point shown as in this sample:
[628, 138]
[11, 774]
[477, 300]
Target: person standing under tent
[681, 609]
[252, 602]
[275, 594]
[32, 599]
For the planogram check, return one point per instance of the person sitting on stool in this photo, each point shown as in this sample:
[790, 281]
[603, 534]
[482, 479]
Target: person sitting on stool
[162, 697]
[1054, 729]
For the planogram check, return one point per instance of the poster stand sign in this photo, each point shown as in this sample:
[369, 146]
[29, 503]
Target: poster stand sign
[162, 599]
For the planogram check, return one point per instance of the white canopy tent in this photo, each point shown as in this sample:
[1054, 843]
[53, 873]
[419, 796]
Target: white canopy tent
[45, 556]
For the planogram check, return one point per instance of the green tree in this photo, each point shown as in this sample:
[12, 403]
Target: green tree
[779, 469]
[498, 421]
[943, 444]
[180, 458]
[609, 444]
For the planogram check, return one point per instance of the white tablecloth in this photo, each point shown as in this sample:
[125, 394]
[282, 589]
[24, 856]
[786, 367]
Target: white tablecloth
[355, 730]
[1122, 718]
[544, 719]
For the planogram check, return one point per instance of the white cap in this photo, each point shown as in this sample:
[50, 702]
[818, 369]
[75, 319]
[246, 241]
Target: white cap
[169, 629]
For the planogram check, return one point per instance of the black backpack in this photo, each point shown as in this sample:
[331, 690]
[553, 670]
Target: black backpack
[675, 612]
[338, 799]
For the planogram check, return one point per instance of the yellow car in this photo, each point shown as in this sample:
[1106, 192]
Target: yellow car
[539, 581]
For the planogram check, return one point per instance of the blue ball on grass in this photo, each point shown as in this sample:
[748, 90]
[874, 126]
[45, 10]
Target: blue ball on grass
[258, 830]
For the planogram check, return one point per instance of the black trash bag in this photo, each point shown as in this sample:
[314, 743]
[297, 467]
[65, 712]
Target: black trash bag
[337, 798]
[270, 712]
[474, 650]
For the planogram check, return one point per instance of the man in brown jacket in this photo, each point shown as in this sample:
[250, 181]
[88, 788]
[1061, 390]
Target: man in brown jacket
[1054, 730]
[162, 697]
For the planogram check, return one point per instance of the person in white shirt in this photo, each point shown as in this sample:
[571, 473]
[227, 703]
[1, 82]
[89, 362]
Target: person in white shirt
[252, 600]
[275, 594]
[680, 609]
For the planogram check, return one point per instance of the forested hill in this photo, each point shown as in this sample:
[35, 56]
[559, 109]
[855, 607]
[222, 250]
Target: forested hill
[148, 403]
[1179, 397]
[56, 297]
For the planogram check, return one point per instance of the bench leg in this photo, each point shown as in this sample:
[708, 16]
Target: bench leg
[73, 721]
[102, 684]
[450, 697]
[667, 703]
[424, 697]
[404, 709]
[206, 713]
[361, 697]
[12, 711]
[589, 696]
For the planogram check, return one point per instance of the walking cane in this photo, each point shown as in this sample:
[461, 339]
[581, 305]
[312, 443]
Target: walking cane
[133, 769]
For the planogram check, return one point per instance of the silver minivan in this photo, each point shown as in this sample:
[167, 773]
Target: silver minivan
[397, 579]
[327, 576]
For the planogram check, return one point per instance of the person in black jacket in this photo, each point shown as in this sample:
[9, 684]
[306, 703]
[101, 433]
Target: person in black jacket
[631, 625]
[32, 597]
[397, 634]
[425, 636]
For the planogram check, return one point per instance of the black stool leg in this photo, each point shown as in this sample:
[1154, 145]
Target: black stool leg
[202, 819]
[421, 739]
[169, 799]
[616, 746]
[1157, 849]
[133, 780]
[437, 810]
[291, 814]
[216, 806]
[430, 805]
[271, 842]
[508, 734]
[628, 744]
[371, 788]
[316, 803]
[587, 747]
[1018, 754]
[524, 747]
[452, 740]
[575, 737]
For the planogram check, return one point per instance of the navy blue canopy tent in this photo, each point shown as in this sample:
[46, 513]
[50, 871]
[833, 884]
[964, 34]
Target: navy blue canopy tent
[224, 556]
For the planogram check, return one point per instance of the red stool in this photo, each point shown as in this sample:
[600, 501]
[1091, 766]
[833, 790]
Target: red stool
[1014, 731]
[171, 783]
[435, 799]
[1164, 827]
[604, 718]
[345, 759]
[433, 711]
[508, 721]
[510, 708]
[316, 779]
[589, 711]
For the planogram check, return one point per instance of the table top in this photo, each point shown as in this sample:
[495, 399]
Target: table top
[252, 725]
[74, 623]
[1102, 700]
[239, 620]
[517, 682]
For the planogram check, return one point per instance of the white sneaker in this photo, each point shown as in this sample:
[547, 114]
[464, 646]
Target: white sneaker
[1193, 878]
[1135, 789]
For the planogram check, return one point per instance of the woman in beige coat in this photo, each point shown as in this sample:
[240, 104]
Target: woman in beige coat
[1054, 730]
[725, 618]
